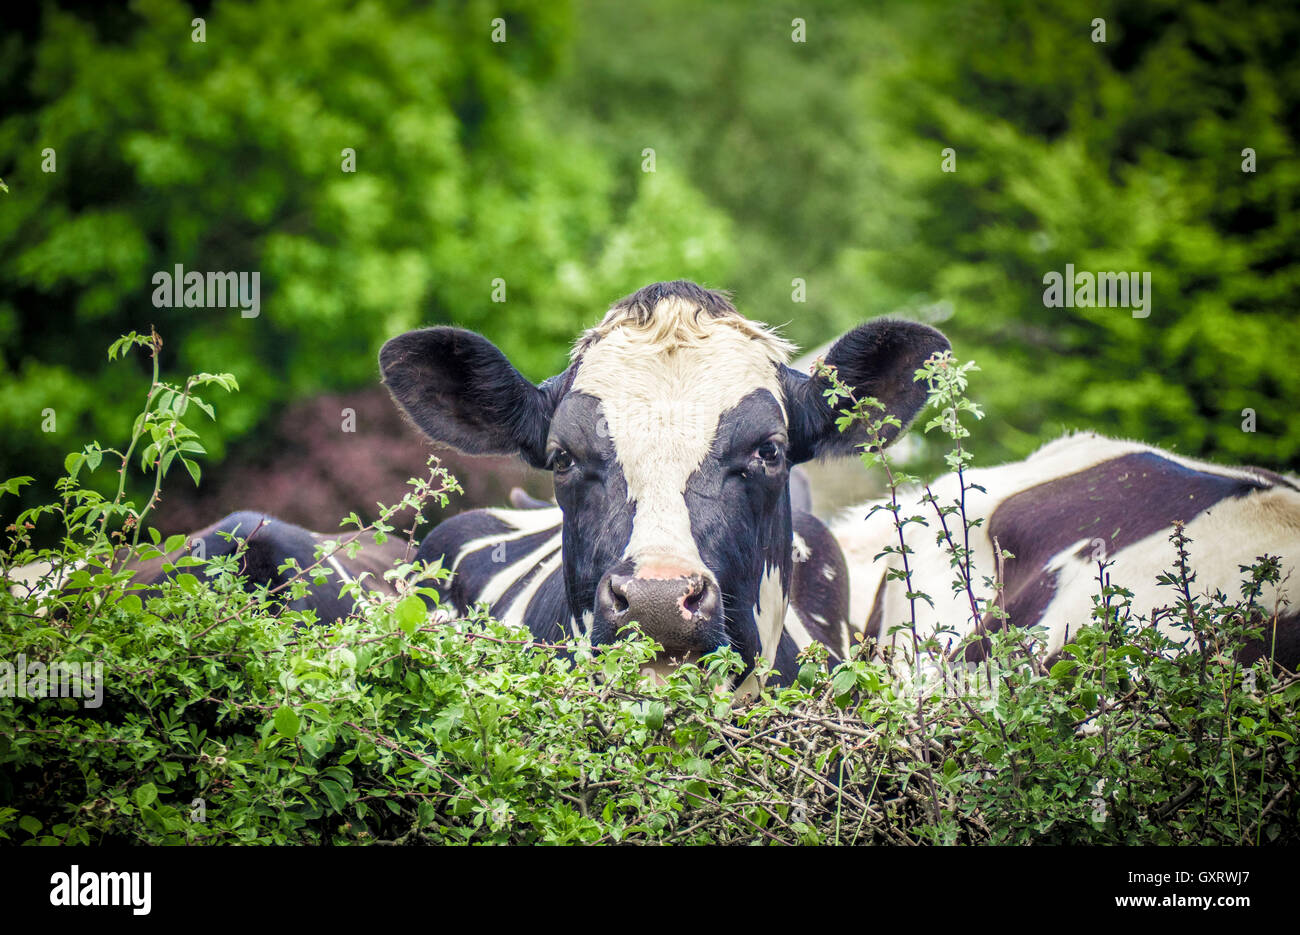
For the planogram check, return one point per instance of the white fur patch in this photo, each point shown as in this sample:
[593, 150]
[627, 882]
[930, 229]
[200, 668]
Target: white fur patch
[1230, 533]
[497, 586]
[800, 551]
[514, 616]
[338, 567]
[663, 388]
[25, 580]
[770, 612]
[521, 522]
[798, 632]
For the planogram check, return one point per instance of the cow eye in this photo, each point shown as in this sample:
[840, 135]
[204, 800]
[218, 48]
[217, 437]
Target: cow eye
[765, 459]
[561, 461]
[768, 451]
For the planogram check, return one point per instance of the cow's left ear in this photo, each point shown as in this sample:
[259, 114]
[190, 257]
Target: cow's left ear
[460, 390]
[877, 359]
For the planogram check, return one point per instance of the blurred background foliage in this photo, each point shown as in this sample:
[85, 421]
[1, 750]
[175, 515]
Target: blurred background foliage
[523, 161]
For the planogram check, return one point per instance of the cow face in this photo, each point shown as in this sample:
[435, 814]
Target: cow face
[670, 437]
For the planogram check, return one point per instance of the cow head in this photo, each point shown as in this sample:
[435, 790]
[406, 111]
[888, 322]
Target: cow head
[670, 436]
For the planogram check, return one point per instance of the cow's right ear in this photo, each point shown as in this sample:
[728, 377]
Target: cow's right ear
[461, 391]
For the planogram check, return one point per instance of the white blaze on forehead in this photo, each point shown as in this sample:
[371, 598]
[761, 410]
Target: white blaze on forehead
[663, 388]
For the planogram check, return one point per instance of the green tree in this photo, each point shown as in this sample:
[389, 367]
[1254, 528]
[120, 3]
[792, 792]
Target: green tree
[1123, 155]
[228, 154]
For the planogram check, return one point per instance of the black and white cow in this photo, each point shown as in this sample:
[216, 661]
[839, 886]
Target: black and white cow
[1073, 501]
[671, 436]
[264, 545]
[511, 560]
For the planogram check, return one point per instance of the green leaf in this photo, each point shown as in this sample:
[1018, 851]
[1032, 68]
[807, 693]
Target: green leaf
[146, 794]
[339, 775]
[1063, 668]
[411, 612]
[287, 722]
[843, 681]
[338, 798]
[14, 483]
[654, 717]
[153, 818]
[29, 824]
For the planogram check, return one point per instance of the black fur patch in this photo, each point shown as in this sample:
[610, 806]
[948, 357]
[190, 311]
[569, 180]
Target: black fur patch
[593, 495]
[739, 507]
[1120, 502]
[878, 359]
[812, 593]
[713, 303]
[461, 391]
[266, 544]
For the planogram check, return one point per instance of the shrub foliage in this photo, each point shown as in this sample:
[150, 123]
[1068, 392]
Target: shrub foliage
[227, 718]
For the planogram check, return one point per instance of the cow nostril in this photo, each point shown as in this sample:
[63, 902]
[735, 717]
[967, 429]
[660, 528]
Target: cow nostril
[694, 594]
[696, 591]
[618, 592]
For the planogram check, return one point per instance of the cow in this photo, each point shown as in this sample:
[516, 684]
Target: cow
[264, 545]
[670, 436]
[1078, 500]
[510, 560]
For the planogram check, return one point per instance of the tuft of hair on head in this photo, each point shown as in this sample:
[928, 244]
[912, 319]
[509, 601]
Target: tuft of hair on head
[681, 314]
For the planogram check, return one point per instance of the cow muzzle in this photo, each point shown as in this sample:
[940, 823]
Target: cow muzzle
[680, 611]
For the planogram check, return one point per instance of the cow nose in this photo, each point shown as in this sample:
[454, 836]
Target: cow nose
[675, 612]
